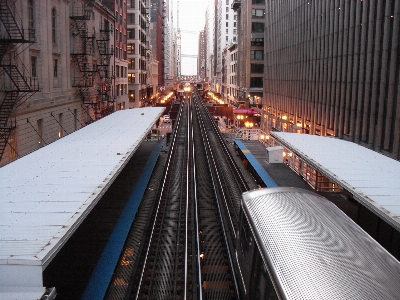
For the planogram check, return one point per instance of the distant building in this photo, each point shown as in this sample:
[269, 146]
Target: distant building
[231, 84]
[202, 57]
[332, 69]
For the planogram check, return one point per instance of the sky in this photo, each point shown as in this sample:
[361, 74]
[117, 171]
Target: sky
[191, 22]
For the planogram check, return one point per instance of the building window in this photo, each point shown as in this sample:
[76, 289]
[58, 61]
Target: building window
[227, 2]
[257, 42]
[257, 13]
[117, 71]
[131, 63]
[256, 82]
[257, 68]
[33, 66]
[31, 20]
[131, 18]
[257, 54]
[39, 124]
[131, 96]
[257, 27]
[131, 48]
[116, 34]
[258, 1]
[227, 17]
[60, 122]
[75, 119]
[131, 3]
[55, 68]
[131, 78]
[53, 25]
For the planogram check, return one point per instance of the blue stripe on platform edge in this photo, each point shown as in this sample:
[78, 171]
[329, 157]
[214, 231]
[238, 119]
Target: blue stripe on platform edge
[102, 274]
[268, 181]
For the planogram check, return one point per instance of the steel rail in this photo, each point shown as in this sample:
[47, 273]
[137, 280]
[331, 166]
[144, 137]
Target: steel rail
[218, 179]
[169, 159]
[196, 213]
[215, 182]
[187, 206]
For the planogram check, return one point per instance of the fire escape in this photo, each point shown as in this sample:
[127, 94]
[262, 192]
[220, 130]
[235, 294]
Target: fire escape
[82, 54]
[17, 83]
[149, 81]
[103, 68]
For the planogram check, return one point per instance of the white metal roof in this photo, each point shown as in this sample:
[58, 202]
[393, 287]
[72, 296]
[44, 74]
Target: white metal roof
[314, 251]
[372, 178]
[45, 195]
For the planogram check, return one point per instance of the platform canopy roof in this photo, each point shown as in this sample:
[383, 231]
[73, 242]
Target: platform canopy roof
[372, 178]
[45, 195]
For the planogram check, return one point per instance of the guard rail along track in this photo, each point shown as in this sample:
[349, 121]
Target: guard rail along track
[181, 242]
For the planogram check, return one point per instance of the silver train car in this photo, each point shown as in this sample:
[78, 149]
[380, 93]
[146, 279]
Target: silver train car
[295, 244]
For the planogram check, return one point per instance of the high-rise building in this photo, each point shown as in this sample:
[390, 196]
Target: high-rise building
[250, 64]
[332, 69]
[225, 34]
[208, 35]
[120, 54]
[202, 57]
[137, 46]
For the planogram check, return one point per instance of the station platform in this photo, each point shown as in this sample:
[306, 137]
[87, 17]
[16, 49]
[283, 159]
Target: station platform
[47, 195]
[282, 175]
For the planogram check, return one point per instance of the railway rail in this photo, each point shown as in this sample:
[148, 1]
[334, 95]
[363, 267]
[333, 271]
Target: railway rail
[183, 237]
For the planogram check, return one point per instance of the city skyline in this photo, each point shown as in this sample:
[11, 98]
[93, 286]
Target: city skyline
[191, 22]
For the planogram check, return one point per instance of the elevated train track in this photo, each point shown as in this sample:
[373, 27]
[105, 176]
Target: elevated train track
[185, 231]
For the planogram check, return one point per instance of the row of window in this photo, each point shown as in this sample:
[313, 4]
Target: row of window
[234, 31]
[118, 36]
[61, 132]
[120, 53]
[121, 89]
[121, 71]
[227, 24]
[132, 78]
[227, 17]
[34, 66]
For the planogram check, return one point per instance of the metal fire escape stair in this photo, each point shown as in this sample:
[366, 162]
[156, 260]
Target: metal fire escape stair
[107, 76]
[83, 56]
[19, 85]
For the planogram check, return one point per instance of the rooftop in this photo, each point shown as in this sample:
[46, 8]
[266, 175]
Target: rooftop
[372, 178]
